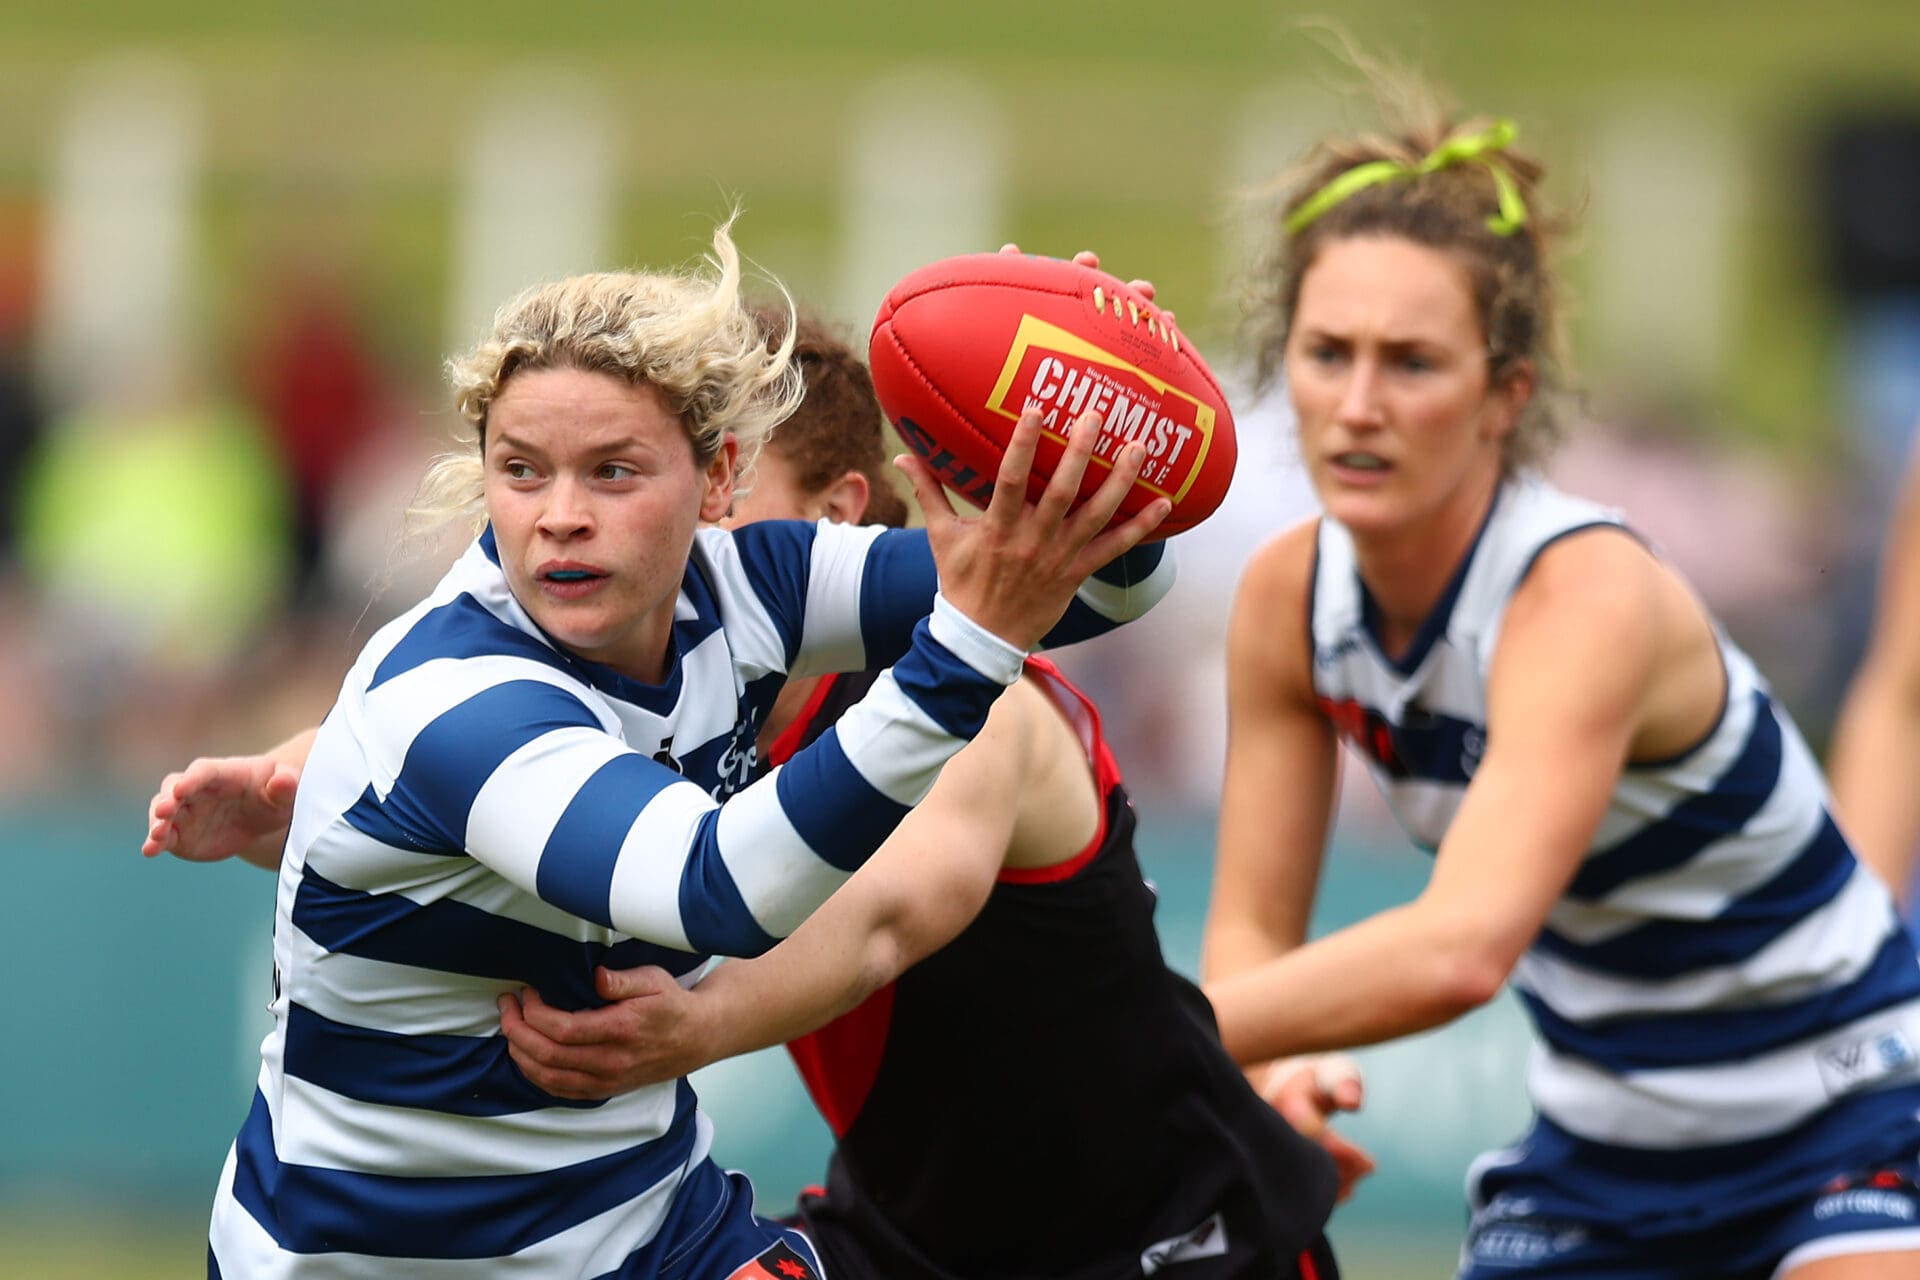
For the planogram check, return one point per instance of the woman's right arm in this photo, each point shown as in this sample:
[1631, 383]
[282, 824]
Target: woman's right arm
[1282, 766]
[520, 774]
[1876, 743]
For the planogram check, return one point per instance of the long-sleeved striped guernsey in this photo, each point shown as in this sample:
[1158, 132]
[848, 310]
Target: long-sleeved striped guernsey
[483, 812]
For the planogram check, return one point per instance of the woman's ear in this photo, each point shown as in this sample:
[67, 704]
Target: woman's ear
[846, 498]
[720, 479]
[1509, 397]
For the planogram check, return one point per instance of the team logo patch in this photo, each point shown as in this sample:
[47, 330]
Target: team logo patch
[780, 1262]
[1884, 1193]
[1847, 1065]
[1523, 1244]
[1208, 1240]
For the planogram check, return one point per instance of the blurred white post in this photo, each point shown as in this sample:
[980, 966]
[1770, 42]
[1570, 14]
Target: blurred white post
[1667, 182]
[925, 178]
[119, 247]
[535, 197]
[1272, 129]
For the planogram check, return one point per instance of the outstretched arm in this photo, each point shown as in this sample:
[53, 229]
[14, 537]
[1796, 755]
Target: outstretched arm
[523, 775]
[222, 807]
[917, 894]
[1555, 747]
[1876, 744]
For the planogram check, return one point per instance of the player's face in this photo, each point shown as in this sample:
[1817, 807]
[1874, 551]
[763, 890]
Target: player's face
[594, 496]
[1387, 368]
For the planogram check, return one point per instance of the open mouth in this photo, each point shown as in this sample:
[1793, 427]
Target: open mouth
[1358, 461]
[568, 580]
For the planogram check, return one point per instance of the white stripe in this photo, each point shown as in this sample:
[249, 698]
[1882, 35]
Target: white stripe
[758, 648]
[709, 695]
[594, 1247]
[830, 638]
[396, 712]
[972, 643]
[1824, 951]
[324, 1129]
[1447, 684]
[893, 744]
[1697, 1106]
[645, 893]
[1424, 808]
[1121, 603]
[516, 809]
[1727, 869]
[781, 879]
[410, 1001]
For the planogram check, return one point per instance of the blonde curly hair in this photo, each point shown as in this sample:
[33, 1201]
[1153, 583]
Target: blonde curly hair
[688, 334]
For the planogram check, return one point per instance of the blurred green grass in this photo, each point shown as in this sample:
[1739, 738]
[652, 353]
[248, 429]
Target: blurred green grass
[341, 123]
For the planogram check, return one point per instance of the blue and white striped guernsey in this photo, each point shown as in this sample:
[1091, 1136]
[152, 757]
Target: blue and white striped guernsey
[483, 812]
[1724, 997]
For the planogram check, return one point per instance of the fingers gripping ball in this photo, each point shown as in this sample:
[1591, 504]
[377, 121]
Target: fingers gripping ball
[960, 348]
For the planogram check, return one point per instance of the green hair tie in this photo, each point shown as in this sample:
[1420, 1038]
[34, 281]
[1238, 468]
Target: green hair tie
[1474, 148]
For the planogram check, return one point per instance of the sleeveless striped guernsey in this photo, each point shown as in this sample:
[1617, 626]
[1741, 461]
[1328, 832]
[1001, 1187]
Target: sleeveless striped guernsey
[1724, 995]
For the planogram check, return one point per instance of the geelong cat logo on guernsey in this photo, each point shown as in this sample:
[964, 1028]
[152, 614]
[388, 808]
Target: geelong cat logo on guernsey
[1064, 376]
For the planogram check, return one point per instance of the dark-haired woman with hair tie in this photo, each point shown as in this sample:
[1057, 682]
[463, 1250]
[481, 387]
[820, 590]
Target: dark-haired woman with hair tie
[1626, 828]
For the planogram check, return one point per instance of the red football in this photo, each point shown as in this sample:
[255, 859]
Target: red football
[960, 348]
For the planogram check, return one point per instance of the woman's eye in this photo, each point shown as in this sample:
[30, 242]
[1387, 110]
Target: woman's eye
[1323, 354]
[615, 471]
[518, 470]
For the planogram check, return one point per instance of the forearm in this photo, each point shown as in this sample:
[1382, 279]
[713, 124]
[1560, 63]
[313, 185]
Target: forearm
[1875, 746]
[800, 986]
[1394, 974]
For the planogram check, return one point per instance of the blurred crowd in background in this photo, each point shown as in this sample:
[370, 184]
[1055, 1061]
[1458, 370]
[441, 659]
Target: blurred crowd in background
[212, 410]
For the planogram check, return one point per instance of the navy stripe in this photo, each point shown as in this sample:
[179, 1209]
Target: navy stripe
[307, 1209]
[448, 936]
[704, 1210]
[1664, 948]
[955, 696]
[1651, 1042]
[456, 1075]
[1695, 822]
[489, 546]
[576, 866]
[712, 911]
[834, 808]
[1690, 1188]
[453, 756]
[1082, 621]
[370, 818]
[777, 556]
[1135, 566]
[1434, 747]
[896, 592]
[461, 628]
